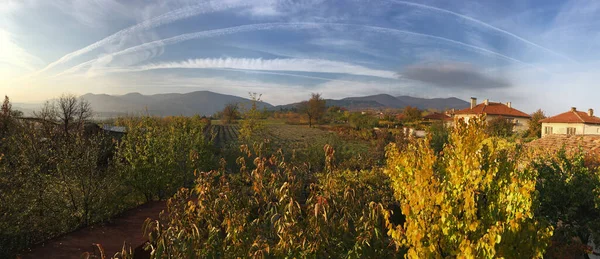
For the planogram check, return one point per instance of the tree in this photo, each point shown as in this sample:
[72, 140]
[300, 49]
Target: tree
[568, 200]
[473, 201]
[315, 108]
[72, 112]
[412, 114]
[500, 127]
[252, 123]
[230, 113]
[5, 117]
[362, 121]
[535, 126]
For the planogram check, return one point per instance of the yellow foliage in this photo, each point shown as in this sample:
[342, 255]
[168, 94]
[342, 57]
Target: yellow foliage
[462, 203]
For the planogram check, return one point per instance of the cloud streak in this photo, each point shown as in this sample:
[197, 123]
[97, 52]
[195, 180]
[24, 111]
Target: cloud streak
[297, 65]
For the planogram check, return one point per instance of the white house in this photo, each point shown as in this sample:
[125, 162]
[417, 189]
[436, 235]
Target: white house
[572, 122]
[494, 110]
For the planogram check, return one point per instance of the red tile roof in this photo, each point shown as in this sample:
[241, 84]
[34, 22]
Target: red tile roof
[494, 109]
[571, 143]
[436, 116]
[573, 117]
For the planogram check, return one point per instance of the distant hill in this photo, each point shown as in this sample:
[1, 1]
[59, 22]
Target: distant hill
[208, 103]
[348, 104]
[27, 108]
[381, 101]
[385, 100]
[188, 104]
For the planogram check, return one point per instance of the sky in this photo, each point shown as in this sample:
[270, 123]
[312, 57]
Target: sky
[533, 53]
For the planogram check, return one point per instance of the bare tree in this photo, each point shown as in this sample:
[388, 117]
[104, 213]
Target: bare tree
[314, 108]
[230, 113]
[68, 110]
[72, 112]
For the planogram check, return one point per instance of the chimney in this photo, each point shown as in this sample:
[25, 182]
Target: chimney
[591, 112]
[573, 109]
[473, 102]
[487, 101]
[509, 104]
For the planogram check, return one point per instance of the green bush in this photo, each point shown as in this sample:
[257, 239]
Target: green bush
[276, 210]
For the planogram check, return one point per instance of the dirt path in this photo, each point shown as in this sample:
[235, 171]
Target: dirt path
[125, 228]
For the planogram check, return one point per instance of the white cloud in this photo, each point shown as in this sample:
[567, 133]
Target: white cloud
[298, 65]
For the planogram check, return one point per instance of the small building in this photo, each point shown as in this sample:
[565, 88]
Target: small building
[494, 110]
[438, 117]
[573, 122]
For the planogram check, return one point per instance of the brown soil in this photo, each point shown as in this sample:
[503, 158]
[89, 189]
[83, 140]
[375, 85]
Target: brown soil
[125, 228]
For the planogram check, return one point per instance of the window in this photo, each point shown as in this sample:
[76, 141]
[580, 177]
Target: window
[571, 131]
[547, 130]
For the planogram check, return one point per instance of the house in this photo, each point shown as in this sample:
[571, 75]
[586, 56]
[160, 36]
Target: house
[438, 117]
[494, 110]
[573, 122]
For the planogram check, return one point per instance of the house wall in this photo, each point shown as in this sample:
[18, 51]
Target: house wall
[521, 124]
[580, 128]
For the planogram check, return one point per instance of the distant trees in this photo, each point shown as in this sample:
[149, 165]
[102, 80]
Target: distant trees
[230, 113]
[535, 126]
[412, 114]
[315, 108]
[336, 114]
[358, 120]
[500, 127]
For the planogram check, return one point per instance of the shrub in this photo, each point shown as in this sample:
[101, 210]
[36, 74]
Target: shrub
[568, 200]
[471, 201]
[276, 210]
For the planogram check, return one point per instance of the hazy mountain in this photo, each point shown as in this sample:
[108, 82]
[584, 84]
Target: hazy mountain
[348, 104]
[208, 103]
[381, 101]
[27, 108]
[434, 103]
[188, 104]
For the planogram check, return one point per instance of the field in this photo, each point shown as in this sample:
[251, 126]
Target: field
[223, 134]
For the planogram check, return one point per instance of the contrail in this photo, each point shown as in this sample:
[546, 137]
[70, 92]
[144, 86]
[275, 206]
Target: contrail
[154, 22]
[293, 26]
[484, 24]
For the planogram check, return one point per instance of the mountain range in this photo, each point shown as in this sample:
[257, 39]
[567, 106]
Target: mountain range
[208, 103]
[188, 104]
[382, 101]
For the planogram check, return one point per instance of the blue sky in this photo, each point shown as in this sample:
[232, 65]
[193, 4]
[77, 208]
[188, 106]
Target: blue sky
[537, 54]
